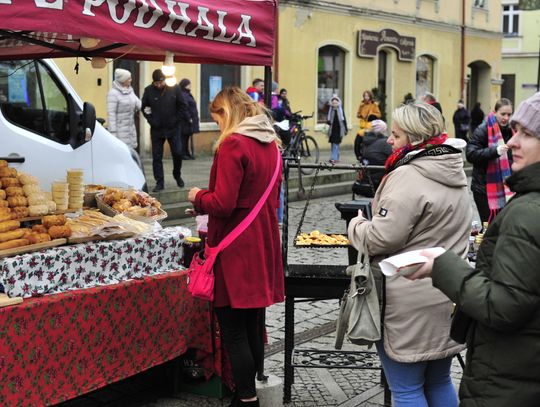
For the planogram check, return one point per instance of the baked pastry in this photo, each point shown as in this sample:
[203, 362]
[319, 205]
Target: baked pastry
[17, 201]
[5, 172]
[36, 199]
[2, 194]
[27, 232]
[34, 238]
[53, 220]
[3, 163]
[8, 225]
[11, 235]
[12, 244]
[58, 232]
[4, 210]
[51, 205]
[39, 229]
[14, 191]
[5, 216]
[3, 203]
[38, 210]
[19, 212]
[30, 189]
[10, 182]
[27, 179]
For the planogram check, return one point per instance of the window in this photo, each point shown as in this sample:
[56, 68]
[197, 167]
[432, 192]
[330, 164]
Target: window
[330, 73]
[511, 19]
[424, 75]
[480, 3]
[40, 109]
[213, 79]
[508, 88]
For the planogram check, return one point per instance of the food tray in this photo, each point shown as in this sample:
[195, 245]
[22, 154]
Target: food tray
[97, 238]
[108, 210]
[31, 248]
[324, 246]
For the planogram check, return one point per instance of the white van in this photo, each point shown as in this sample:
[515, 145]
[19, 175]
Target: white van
[46, 129]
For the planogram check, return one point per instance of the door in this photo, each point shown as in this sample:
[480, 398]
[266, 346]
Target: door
[38, 121]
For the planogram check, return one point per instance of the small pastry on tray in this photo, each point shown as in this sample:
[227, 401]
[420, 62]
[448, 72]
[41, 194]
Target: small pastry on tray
[53, 220]
[12, 244]
[58, 232]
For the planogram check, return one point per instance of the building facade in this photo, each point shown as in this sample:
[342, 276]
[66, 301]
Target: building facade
[395, 47]
[520, 51]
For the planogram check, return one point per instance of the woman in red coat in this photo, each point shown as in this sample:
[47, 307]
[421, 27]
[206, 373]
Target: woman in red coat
[248, 273]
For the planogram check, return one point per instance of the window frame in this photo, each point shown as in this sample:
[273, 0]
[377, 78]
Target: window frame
[203, 105]
[509, 15]
[339, 81]
[431, 89]
[46, 132]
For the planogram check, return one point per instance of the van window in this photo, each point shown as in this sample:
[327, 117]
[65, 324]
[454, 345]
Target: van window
[40, 109]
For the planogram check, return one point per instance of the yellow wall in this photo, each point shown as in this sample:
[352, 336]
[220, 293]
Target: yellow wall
[304, 29]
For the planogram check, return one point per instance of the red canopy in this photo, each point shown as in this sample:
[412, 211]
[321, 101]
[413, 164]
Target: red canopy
[202, 31]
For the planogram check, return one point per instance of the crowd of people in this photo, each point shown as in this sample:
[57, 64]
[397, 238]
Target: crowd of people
[421, 201]
[171, 112]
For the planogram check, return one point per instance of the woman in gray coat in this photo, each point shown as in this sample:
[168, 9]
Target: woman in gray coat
[122, 104]
[421, 202]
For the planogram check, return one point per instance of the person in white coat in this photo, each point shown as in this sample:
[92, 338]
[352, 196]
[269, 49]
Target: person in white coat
[122, 104]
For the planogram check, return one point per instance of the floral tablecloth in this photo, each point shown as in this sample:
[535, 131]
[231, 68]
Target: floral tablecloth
[56, 347]
[92, 264]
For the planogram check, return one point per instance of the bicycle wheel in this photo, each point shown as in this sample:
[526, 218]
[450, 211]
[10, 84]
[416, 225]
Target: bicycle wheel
[308, 150]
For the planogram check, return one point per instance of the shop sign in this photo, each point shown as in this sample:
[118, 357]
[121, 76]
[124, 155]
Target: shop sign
[370, 41]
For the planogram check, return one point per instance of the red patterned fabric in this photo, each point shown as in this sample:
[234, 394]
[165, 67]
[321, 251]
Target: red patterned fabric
[57, 347]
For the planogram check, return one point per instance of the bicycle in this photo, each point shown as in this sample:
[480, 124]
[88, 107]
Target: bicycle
[302, 147]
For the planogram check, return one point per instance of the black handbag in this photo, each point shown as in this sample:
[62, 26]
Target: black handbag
[461, 323]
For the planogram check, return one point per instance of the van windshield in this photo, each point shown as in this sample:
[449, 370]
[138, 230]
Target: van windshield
[31, 98]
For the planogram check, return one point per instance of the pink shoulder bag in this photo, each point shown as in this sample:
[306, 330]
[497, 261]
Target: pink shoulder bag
[201, 268]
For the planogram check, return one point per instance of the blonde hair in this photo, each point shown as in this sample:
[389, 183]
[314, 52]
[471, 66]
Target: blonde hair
[419, 121]
[233, 105]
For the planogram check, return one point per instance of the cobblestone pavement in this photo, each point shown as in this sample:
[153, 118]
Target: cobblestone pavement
[314, 319]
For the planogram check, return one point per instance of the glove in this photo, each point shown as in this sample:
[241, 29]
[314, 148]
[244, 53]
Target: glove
[502, 149]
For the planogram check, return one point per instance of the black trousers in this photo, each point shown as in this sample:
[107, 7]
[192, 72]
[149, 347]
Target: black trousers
[175, 143]
[187, 149]
[242, 335]
[481, 202]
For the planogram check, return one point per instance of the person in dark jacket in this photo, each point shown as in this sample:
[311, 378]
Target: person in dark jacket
[337, 127]
[477, 116]
[191, 126]
[461, 119]
[375, 151]
[484, 154]
[164, 107]
[499, 298]
[430, 99]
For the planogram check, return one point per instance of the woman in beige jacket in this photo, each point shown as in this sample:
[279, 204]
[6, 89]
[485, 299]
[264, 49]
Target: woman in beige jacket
[421, 202]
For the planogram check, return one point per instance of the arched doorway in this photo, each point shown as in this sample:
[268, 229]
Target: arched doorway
[479, 84]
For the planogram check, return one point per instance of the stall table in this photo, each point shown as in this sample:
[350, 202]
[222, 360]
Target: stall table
[57, 347]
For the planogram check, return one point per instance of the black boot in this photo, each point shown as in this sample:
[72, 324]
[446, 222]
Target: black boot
[254, 403]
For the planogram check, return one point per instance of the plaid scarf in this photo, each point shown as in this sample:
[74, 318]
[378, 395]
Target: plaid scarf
[498, 169]
[397, 157]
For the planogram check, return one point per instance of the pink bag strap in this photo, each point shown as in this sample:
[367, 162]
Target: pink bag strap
[233, 234]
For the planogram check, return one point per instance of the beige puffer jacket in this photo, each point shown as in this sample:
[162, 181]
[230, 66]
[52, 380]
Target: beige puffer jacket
[422, 204]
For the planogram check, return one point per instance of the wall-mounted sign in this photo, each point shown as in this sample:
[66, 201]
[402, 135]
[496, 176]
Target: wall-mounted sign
[370, 41]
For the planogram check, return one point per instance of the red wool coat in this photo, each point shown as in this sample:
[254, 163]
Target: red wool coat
[249, 272]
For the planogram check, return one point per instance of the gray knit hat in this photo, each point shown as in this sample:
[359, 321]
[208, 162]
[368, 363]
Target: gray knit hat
[528, 114]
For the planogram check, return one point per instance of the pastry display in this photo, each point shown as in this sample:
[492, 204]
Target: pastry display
[11, 235]
[35, 238]
[10, 182]
[19, 212]
[2, 194]
[60, 194]
[131, 202]
[38, 210]
[58, 232]
[12, 244]
[5, 216]
[14, 191]
[8, 225]
[17, 201]
[53, 220]
[4, 203]
[76, 189]
[27, 179]
[39, 229]
[317, 238]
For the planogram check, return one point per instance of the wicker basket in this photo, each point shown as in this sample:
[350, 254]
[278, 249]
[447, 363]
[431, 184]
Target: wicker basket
[108, 210]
